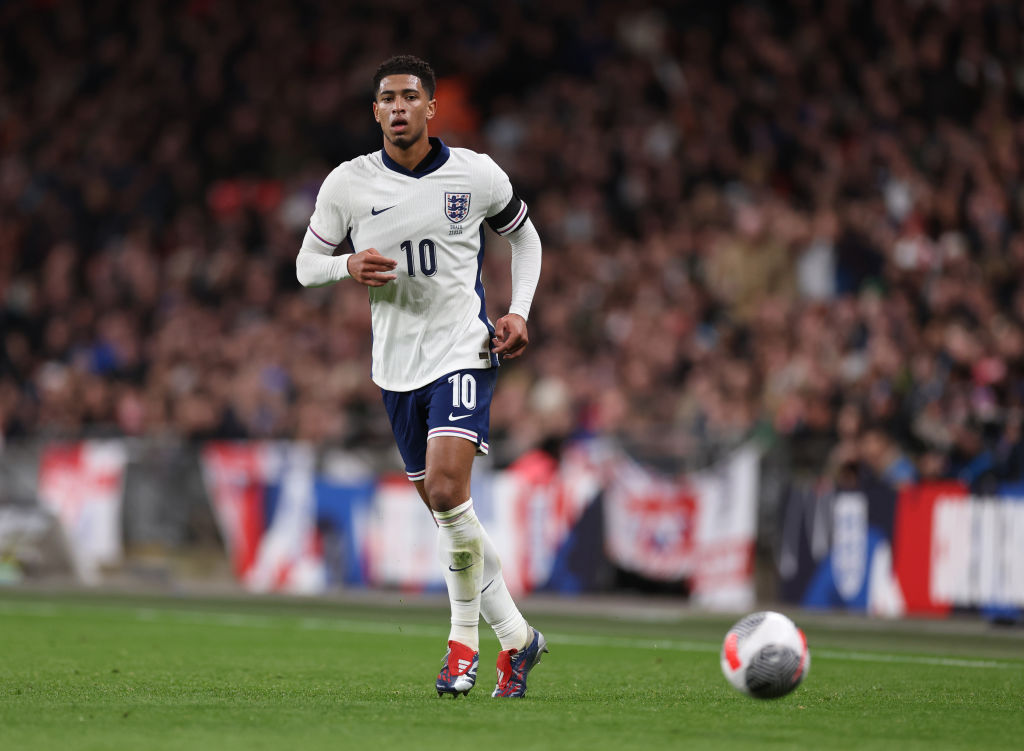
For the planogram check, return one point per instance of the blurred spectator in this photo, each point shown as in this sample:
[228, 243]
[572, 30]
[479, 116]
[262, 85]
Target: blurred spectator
[885, 458]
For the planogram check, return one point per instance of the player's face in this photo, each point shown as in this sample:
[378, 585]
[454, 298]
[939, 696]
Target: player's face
[402, 108]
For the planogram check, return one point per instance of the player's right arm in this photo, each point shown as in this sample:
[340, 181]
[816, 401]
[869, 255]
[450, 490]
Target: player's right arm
[316, 264]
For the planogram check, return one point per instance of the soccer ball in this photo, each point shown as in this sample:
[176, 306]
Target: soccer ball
[765, 655]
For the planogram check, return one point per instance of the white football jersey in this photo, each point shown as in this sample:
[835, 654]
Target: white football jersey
[432, 319]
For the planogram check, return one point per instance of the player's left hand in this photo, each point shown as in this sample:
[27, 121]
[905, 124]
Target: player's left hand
[510, 337]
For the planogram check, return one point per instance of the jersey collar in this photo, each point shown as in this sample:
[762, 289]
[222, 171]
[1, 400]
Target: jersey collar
[436, 157]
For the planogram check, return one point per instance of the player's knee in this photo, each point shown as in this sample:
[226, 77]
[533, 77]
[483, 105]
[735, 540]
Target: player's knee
[444, 491]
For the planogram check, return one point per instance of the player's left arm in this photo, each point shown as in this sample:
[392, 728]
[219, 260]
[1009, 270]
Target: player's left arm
[510, 333]
[509, 217]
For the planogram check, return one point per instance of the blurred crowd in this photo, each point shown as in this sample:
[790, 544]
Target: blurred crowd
[799, 218]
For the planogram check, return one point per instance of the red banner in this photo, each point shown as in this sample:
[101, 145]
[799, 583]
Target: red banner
[235, 479]
[913, 550]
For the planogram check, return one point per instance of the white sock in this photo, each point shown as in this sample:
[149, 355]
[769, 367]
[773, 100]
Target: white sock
[460, 546]
[496, 604]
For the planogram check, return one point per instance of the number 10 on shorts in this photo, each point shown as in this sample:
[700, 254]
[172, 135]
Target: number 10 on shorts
[463, 390]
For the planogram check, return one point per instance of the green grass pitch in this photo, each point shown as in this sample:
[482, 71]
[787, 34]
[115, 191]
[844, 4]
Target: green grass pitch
[120, 672]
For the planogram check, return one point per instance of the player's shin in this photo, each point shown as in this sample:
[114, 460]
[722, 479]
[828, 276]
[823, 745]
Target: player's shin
[461, 549]
[496, 603]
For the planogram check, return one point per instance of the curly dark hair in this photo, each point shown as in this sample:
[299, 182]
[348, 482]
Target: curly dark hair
[410, 65]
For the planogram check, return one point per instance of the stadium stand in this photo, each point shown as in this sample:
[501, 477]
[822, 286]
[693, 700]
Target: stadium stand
[800, 218]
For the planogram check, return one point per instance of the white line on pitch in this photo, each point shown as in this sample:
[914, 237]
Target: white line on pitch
[252, 620]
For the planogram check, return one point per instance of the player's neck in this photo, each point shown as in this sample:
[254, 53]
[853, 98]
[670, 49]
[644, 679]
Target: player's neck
[410, 157]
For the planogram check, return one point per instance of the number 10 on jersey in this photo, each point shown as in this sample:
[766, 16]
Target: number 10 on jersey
[428, 257]
[463, 390]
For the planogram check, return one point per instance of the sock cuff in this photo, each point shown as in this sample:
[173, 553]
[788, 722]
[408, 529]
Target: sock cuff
[453, 516]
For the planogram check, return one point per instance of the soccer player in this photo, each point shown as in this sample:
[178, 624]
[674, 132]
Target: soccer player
[415, 212]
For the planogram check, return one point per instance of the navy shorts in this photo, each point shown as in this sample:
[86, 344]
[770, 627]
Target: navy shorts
[457, 404]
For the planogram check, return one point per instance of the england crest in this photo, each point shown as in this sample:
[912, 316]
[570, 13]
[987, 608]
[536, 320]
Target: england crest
[456, 206]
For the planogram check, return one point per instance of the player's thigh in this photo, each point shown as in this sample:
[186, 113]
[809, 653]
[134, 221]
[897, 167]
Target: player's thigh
[449, 471]
[407, 412]
[459, 419]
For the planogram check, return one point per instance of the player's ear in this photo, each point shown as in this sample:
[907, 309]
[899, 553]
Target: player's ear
[431, 108]
[376, 115]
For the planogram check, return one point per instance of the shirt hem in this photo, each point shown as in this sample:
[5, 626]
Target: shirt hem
[433, 376]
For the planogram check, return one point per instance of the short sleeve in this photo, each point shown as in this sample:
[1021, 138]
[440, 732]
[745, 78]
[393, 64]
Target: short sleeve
[330, 221]
[506, 212]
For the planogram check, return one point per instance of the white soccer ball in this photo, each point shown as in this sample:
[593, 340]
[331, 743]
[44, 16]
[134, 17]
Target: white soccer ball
[765, 655]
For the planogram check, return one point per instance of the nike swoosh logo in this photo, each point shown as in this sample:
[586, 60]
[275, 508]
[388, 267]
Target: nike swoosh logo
[460, 569]
[453, 418]
[375, 211]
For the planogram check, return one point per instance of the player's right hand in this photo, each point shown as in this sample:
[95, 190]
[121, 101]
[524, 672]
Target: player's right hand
[370, 268]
